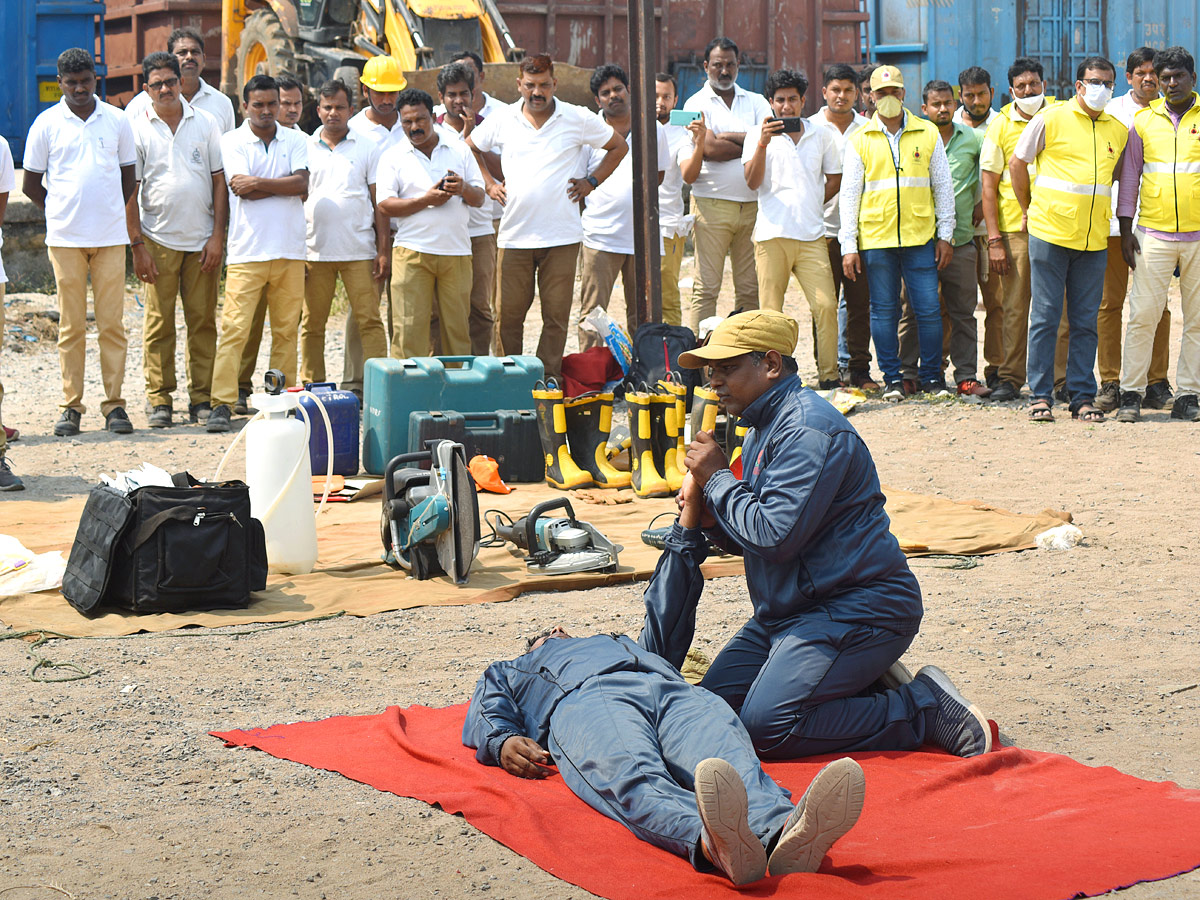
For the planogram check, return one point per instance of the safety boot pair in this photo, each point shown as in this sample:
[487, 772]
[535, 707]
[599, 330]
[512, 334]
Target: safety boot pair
[574, 436]
[656, 434]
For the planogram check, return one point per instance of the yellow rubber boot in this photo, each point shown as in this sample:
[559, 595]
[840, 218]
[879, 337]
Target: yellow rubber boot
[733, 441]
[589, 421]
[704, 410]
[561, 470]
[665, 438]
[646, 480]
[679, 392]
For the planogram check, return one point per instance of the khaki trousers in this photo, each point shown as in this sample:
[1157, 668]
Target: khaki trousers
[776, 261]
[179, 275]
[1108, 322]
[422, 282]
[106, 265]
[253, 341]
[352, 352]
[482, 320]
[723, 227]
[282, 281]
[993, 310]
[319, 284]
[670, 264]
[598, 273]
[1148, 300]
[553, 268]
[3, 437]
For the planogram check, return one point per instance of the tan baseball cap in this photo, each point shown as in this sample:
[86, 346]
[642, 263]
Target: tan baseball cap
[757, 330]
[886, 76]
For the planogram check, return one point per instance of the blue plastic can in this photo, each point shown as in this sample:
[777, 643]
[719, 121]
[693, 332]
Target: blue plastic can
[342, 409]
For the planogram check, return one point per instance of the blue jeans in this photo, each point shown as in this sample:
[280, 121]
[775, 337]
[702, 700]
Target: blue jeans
[1056, 271]
[918, 268]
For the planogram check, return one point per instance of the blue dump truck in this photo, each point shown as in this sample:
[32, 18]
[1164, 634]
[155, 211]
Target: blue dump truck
[32, 34]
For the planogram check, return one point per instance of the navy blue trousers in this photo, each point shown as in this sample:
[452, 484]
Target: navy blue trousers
[804, 688]
[628, 743]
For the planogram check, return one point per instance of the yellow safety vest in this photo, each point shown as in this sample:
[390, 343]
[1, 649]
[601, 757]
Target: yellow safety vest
[1170, 192]
[1006, 129]
[897, 201]
[1071, 204]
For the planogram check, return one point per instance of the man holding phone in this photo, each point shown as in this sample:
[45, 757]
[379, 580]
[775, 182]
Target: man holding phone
[426, 185]
[795, 168]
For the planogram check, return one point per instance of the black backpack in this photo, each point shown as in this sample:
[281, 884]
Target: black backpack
[656, 344]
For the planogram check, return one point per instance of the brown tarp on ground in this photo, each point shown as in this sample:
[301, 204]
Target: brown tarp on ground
[351, 578]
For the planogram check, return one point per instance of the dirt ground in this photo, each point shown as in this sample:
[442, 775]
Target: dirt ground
[111, 788]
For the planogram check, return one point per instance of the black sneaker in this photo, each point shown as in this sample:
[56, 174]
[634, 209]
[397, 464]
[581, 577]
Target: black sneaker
[160, 417]
[219, 420]
[991, 379]
[243, 407]
[199, 412]
[828, 385]
[955, 724]
[893, 391]
[67, 424]
[1158, 395]
[1006, 391]
[118, 422]
[1131, 407]
[1109, 396]
[1186, 407]
[9, 481]
[935, 388]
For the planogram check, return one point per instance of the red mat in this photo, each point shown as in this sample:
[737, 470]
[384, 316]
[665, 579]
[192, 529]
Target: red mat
[1013, 823]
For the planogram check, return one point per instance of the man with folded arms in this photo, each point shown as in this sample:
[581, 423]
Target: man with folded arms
[266, 166]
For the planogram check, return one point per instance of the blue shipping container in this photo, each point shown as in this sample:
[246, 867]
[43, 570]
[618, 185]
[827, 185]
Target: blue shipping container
[930, 39]
[34, 33]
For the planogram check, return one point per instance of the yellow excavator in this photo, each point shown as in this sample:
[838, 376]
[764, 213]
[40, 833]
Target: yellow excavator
[316, 40]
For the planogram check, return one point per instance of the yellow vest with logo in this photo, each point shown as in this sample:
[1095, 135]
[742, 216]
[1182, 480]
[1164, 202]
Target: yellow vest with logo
[1004, 132]
[1170, 192]
[1071, 204]
[897, 201]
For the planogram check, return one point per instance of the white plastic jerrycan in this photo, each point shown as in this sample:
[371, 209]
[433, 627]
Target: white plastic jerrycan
[279, 474]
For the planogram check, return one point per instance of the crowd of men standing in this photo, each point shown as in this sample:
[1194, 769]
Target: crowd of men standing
[442, 219]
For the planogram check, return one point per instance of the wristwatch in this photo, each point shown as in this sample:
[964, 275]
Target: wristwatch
[591, 179]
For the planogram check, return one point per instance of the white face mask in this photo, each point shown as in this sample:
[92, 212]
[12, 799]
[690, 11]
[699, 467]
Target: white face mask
[1096, 96]
[1030, 105]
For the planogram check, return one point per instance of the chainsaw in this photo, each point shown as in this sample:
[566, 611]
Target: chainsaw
[555, 545]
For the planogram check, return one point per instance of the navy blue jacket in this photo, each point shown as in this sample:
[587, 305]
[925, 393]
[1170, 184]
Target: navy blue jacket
[807, 517]
[517, 697]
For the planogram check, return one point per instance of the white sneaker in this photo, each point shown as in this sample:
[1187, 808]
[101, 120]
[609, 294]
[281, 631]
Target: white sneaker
[828, 809]
[724, 809]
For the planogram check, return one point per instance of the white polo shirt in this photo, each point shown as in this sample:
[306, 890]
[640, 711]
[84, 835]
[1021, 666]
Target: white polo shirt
[671, 220]
[726, 180]
[406, 172]
[833, 216]
[608, 210]
[377, 134]
[482, 218]
[7, 183]
[273, 227]
[537, 164]
[176, 196]
[208, 99]
[490, 105]
[81, 165]
[791, 198]
[338, 212]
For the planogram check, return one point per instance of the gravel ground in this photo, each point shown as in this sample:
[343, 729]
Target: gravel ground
[110, 787]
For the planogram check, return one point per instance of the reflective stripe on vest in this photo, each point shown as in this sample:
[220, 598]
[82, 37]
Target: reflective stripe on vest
[897, 201]
[1170, 189]
[1071, 205]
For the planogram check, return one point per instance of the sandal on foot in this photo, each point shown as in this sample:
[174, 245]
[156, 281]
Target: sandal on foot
[1088, 413]
[1039, 411]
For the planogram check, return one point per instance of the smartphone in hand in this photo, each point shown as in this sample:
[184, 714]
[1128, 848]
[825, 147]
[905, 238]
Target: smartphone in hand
[683, 117]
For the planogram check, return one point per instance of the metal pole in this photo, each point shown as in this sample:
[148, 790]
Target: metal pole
[642, 66]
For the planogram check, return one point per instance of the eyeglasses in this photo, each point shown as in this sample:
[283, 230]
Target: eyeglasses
[159, 85]
[1099, 81]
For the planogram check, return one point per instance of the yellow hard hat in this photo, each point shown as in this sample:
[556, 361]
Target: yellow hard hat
[382, 73]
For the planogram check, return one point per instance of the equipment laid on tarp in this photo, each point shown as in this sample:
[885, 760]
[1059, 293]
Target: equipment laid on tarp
[509, 436]
[430, 519]
[556, 545]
